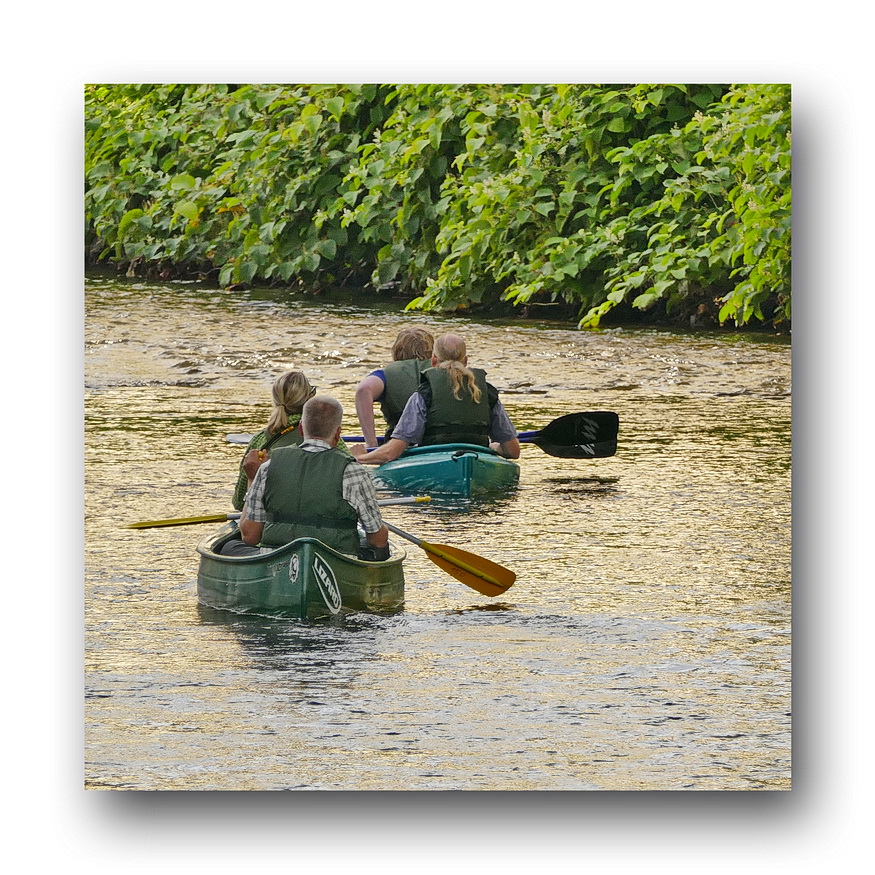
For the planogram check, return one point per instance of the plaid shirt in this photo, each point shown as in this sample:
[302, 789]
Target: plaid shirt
[358, 490]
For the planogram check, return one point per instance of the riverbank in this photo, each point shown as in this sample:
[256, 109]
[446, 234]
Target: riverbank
[562, 314]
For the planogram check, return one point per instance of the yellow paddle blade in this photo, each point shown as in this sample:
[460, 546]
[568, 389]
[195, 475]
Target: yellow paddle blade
[487, 577]
[184, 521]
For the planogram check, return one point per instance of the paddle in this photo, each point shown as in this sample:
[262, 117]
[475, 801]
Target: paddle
[224, 517]
[591, 435]
[481, 574]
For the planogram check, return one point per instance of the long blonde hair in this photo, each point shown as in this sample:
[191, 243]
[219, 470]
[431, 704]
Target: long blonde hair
[290, 392]
[450, 352]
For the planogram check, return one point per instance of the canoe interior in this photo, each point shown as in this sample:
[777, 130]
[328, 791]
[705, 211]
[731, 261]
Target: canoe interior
[304, 579]
[456, 469]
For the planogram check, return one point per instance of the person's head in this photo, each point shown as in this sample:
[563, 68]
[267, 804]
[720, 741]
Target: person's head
[449, 348]
[322, 418]
[451, 354]
[412, 342]
[290, 392]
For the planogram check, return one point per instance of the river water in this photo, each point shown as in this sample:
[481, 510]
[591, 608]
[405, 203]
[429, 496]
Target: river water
[644, 646]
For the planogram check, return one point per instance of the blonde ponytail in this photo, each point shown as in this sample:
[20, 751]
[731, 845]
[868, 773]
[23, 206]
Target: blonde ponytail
[461, 377]
[450, 352]
[290, 392]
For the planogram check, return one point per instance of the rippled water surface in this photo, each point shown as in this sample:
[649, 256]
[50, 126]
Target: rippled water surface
[644, 646]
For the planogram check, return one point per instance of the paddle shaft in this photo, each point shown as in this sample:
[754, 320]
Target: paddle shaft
[523, 437]
[481, 574]
[590, 435]
[572, 436]
[224, 517]
[595, 426]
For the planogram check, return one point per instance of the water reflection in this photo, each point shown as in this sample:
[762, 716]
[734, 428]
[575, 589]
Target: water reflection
[645, 644]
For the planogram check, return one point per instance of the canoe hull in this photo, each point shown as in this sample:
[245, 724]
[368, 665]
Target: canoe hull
[455, 469]
[304, 579]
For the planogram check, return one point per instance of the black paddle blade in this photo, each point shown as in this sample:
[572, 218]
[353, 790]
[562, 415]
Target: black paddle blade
[590, 435]
[598, 450]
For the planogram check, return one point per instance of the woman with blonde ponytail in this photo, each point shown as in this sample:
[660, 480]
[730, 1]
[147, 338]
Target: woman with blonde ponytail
[291, 390]
[453, 404]
[451, 354]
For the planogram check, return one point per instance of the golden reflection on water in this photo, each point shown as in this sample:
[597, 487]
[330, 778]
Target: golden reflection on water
[645, 644]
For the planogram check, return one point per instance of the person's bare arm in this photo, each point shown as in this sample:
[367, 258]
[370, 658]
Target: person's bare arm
[510, 449]
[386, 453]
[250, 532]
[367, 394]
[378, 539]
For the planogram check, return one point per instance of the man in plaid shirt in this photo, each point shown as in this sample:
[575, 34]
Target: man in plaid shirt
[312, 490]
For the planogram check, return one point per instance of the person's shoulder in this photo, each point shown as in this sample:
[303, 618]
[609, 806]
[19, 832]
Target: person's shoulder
[258, 440]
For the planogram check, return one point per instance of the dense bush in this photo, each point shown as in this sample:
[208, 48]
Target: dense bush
[669, 199]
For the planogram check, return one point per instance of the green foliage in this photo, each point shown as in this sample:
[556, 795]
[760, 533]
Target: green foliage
[665, 198]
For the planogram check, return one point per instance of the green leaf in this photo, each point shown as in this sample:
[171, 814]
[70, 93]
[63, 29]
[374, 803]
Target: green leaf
[387, 271]
[335, 106]
[183, 182]
[642, 302]
[247, 271]
[226, 273]
[187, 209]
[310, 261]
[126, 221]
[326, 248]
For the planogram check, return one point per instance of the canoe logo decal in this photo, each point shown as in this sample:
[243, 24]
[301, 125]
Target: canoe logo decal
[327, 584]
[294, 567]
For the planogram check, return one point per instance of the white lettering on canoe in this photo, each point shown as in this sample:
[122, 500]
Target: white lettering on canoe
[327, 584]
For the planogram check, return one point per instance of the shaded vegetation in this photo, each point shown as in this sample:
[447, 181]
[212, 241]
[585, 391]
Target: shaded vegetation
[669, 200]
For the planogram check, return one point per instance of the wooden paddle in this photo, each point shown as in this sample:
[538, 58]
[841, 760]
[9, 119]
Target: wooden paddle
[481, 574]
[224, 517]
[591, 435]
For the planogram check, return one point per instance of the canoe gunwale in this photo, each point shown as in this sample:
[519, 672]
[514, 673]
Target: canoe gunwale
[205, 548]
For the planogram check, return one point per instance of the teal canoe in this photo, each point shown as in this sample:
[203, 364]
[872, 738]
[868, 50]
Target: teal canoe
[304, 579]
[456, 469]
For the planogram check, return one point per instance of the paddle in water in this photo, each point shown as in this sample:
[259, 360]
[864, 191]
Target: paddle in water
[487, 577]
[224, 517]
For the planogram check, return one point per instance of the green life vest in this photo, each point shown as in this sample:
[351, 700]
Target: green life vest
[402, 380]
[264, 440]
[303, 499]
[451, 420]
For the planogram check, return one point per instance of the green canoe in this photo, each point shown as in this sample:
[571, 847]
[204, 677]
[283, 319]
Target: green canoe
[455, 469]
[304, 579]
